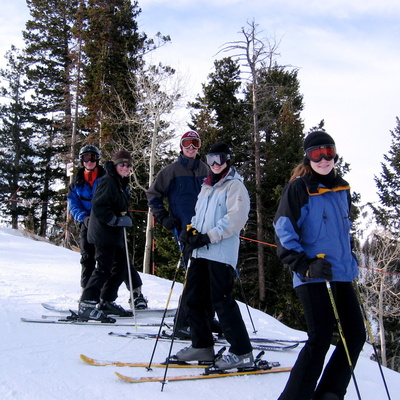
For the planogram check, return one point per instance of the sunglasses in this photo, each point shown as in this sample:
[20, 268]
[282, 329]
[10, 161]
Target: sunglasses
[90, 157]
[317, 153]
[187, 142]
[126, 165]
[217, 158]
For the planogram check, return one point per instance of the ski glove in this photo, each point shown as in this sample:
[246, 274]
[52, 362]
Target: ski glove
[186, 234]
[124, 221]
[196, 241]
[314, 268]
[171, 223]
[319, 268]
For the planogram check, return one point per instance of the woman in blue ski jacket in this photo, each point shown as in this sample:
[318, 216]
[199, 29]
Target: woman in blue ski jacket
[312, 227]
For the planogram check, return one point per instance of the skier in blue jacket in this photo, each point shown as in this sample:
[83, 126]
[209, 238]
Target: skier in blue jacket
[80, 195]
[312, 227]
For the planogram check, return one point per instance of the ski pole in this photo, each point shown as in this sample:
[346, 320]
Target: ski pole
[336, 313]
[175, 325]
[245, 301]
[370, 334]
[165, 312]
[129, 276]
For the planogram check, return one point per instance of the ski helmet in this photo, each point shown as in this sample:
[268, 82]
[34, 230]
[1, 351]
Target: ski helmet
[90, 149]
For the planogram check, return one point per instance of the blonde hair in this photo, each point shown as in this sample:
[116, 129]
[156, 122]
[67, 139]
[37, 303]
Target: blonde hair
[300, 170]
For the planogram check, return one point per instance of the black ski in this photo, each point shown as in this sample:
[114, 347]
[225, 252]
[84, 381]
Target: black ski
[257, 343]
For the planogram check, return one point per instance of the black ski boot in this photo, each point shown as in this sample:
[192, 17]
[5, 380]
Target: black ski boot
[112, 308]
[139, 301]
[89, 311]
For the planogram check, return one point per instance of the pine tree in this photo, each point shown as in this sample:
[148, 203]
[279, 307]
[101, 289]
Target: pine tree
[113, 50]
[388, 212]
[48, 39]
[17, 182]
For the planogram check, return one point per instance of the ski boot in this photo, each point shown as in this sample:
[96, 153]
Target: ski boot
[231, 360]
[89, 311]
[112, 308]
[139, 301]
[196, 354]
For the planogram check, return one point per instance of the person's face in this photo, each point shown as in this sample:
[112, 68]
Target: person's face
[89, 161]
[217, 169]
[323, 167]
[190, 152]
[123, 169]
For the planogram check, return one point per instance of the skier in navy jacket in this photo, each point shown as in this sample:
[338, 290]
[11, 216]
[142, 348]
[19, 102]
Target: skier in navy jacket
[312, 227]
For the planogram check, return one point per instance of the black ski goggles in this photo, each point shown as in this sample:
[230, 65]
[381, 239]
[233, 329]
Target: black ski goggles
[89, 157]
[317, 153]
[187, 142]
[217, 158]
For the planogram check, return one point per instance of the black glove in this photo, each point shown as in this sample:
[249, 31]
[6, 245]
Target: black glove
[171, 223]
[319, 268]
[86, 222]
[197, 241]
[314, 268]
[124, 221]
[186, 234]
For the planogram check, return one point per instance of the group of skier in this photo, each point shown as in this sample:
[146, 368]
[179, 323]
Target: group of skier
[208, 206]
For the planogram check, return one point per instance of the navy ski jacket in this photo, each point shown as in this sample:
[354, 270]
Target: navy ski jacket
[312, 219]
[179, 182]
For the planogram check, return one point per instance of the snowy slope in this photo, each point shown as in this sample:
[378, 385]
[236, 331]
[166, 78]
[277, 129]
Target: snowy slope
[41, 361]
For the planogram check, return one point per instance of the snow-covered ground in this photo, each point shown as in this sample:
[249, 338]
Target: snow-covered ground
[41, 361]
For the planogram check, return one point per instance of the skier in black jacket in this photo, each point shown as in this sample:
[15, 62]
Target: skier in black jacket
[108, 218]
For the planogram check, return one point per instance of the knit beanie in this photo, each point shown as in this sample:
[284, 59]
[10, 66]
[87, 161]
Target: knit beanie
[122, 156]
[317, 138]
[220, 148]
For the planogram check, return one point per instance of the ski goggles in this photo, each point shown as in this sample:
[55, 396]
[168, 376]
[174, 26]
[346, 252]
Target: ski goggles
[187, 142]
[317, 153]
[89, 157]
[124, 164]
[217, 158]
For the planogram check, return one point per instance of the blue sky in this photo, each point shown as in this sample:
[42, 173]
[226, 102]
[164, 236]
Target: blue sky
[347, 53]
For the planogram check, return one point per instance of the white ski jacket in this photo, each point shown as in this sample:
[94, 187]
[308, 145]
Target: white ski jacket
[222, 211]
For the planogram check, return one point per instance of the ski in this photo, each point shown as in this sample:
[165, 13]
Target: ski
[201, 376]
[258, 343]
[103, 363]
[64, 321]
[148, 312]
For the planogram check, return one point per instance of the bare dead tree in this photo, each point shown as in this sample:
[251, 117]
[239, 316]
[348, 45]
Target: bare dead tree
[255, 54]
[380, 283]
[158, 91]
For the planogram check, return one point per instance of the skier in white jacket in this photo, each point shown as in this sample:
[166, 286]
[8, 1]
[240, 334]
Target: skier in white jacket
[222, 210]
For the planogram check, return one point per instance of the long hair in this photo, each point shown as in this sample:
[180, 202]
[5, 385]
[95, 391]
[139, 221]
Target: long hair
[300, 170]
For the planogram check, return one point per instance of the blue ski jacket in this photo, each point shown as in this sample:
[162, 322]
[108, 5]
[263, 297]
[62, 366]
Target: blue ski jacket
[222, 211]
[80, 195]
[312, 219]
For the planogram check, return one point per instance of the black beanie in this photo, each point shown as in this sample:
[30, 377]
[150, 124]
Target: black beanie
[317, 138]
[220, 148]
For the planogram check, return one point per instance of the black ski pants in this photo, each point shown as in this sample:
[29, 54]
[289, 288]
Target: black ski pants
[209, 287]
[320, 319]
[88, 261]
[110, 272]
